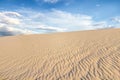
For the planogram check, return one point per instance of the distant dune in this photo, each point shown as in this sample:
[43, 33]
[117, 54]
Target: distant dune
[81, 55]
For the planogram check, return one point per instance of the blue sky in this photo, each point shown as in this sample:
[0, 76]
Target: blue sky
[48, 16]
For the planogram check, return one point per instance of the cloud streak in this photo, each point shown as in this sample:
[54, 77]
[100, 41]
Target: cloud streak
[32, 22]
[116, 19]
[9, 22]
[51, 1]
[9, 18]
[62, 19]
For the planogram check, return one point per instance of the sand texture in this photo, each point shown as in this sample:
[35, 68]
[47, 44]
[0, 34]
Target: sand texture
[80, 55]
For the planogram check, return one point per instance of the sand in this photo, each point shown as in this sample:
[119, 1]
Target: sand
[80, 55]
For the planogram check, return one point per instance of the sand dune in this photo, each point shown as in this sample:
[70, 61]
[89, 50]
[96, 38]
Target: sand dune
[81, 55]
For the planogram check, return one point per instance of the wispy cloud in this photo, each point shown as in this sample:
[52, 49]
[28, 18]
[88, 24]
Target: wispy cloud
[50, 28]
[9, 18]
[30, 21]
[48, 1]
[15, 23]
[51, 1]
[9, 22]
[116, 19]
[63, 19]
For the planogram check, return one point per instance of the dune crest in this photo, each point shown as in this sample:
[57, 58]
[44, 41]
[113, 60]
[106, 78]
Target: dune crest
[84, 55]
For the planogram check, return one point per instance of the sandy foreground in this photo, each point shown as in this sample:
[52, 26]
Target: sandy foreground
[81, 55]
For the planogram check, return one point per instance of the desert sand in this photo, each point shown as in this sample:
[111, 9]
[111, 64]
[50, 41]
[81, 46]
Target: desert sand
[80, 55]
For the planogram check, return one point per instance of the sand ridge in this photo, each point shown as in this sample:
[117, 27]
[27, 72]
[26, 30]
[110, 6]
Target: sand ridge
[80, 55]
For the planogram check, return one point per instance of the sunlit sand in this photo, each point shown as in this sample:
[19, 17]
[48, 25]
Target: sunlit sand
[80, 55]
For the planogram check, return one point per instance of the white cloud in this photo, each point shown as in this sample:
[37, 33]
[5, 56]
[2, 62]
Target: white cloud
[51, 1]
[50, 28]
[9, 22]
[14, 23]
[29, 21]
[9, 18]
[64, 19]
[10, 13]
[100, 24]
[116, 19]
[103, 25]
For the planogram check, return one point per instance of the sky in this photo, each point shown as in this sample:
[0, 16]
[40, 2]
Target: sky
[50, 16]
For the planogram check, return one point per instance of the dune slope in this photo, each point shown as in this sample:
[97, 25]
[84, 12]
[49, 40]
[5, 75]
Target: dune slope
[82, 55]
